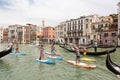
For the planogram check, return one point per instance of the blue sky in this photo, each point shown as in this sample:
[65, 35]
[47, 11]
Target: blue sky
[52, 11]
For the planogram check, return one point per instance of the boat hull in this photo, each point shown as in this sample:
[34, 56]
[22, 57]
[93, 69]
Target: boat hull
[112, 66]
[5, 52]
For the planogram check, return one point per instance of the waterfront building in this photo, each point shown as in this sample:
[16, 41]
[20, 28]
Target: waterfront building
[105, 30]
[59, 32]
[48, 34]
[118, 23]
[79, 30]
[5, 35]
[39, 34]
[33, 29]
[19, 33]
[1, 34]
[13, 33]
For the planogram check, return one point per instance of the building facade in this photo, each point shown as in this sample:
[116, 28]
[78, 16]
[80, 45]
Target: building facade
[48, 34]
[59, 33]
[19, 33]
[78, 31]
[5, 35]
[118, 23]
[1, 34]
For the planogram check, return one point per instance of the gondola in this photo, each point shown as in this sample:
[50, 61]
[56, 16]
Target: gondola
[94, 53]
[100, 53]
[112, 66]
[5, 52]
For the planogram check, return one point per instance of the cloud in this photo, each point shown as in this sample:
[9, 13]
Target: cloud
[52, 11]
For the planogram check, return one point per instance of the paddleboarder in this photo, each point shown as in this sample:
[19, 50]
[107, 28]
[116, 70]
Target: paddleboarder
[41, 52]
[95, 46]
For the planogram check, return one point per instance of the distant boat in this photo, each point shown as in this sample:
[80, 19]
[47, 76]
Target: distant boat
[112, 66]
[5, 52]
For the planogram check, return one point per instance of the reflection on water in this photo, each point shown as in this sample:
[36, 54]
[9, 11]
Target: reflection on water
[26, 68]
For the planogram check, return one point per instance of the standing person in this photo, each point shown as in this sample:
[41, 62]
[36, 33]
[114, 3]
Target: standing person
[53, 51]
[41, 52]
[77, 54]
[16, 49]
[95, 46]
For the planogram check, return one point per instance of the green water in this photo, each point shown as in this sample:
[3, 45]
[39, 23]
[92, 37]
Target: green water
[26, 68]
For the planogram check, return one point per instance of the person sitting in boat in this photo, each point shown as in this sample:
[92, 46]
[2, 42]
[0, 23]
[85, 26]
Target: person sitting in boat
[84, 50]
[41, 53]
[77, 54]
[53, 50]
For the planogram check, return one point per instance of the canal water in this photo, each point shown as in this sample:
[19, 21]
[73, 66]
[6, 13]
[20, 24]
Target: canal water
[26, 68]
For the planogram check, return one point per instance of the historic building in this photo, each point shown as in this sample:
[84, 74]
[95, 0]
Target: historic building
[19, 33]
[5, 35]
[118, 23]
[105, 30]
[1, 34]
[59, 33]
[78, 31]
[48, 34]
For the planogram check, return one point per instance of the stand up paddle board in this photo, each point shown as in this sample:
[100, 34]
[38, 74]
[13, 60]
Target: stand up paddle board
[87, 59]
[55, 57]
[88, 66]
[46, 61]
[18, 54]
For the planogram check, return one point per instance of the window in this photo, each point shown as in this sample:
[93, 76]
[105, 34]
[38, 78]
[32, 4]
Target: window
[86, 20]
[106, 41]
[81, 21]
[88, 36]
[83, 40]
[113, 41]
[105, 25]
[94, 36]
[106, 35]
[113, 34]
[93, 26]
[86, 26]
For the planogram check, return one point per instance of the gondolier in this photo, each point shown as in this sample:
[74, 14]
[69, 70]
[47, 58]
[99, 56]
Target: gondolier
[95, 46]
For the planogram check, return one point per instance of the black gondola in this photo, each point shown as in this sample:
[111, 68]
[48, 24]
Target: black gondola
[94, 53]
[5, 52]
[112, 66]
[100, 53]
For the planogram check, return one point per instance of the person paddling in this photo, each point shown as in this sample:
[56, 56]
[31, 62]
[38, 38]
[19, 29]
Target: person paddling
[77, 54]
[41, 52]
[53, 50]
[95, 46]
[17, 49]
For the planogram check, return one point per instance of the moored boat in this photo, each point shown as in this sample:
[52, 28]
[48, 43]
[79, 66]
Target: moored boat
[100, 53]
[113, 67]
[94, 53]
[5, 52]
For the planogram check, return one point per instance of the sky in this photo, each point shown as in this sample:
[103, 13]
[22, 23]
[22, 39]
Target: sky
[51, 11]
